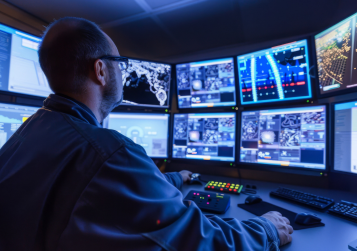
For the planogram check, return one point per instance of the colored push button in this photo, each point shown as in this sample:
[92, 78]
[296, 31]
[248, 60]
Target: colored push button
[209, 186]
[235, 190]
[221, 189]
[230, 189]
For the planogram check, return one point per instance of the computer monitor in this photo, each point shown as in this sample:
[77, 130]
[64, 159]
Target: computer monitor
[289, 137]
[345, 137]
[20, 71]
[151, 131]
[147, 84]
[336, 51]
[11, 118]
[206, 84]
[275, 74]
[204, 136]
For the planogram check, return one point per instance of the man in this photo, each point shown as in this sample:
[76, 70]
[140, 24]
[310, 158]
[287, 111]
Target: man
[68, 184]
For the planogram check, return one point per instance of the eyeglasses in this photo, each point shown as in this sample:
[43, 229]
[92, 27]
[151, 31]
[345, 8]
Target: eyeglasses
[123, 61]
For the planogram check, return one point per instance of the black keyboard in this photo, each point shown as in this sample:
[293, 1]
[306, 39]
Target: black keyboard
[309, 199]
[345, 209]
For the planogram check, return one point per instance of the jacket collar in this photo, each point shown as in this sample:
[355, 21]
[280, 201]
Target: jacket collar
[65, 104]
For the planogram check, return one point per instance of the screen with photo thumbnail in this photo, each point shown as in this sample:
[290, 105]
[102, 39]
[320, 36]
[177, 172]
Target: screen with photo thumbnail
[20, 71]
[294, 137]
[336, 50]
[151, 131]
[345, 138]
[204, 136]
[206, 83]
[11, 118]
[276, 74]
[147, 84]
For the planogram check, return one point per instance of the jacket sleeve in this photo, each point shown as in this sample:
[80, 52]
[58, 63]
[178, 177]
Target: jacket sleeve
[175, 179]
[130, 194]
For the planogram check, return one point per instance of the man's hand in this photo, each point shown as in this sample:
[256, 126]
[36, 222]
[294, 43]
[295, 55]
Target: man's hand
[282, 224]
[186, 175]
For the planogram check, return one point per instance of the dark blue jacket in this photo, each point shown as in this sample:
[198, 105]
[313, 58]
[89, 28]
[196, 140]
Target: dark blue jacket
[68, 184]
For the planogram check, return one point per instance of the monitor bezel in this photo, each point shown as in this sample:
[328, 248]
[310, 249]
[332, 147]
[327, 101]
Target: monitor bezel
[196, 161]
[283, 102]
[17, 94]
[151, 113]
[313, 46]
[288, 169]
[129, 107]
[332, 138]
[213, 108]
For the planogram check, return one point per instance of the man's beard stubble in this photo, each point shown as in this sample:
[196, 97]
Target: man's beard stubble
[109, 101]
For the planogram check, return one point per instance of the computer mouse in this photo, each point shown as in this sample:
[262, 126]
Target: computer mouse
[195, 179]
[307, 219]
[253, 199]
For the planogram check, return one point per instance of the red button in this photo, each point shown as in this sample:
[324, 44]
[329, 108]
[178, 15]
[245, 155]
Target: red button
[229, 184]
[235, 190]
[209, 187]
[212, 187]
[221, 189]
[230, 189]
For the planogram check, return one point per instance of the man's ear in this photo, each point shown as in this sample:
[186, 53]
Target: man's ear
[100, 72]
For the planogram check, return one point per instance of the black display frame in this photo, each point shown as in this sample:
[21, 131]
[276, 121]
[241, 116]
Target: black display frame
[129, 107]
[213, 108]
[288, 169]
[333, 93]
[149, 113]
[283, 102]
[332, 138]
[213, 163]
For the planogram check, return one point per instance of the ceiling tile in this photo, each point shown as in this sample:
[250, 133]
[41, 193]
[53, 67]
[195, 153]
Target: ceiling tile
[98, 11]
[160, 3]
[204, 25]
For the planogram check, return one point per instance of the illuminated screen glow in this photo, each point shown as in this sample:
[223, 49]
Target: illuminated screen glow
[276, 74]
[206, 84]
[291, 137]
[147, 83]
[11, 118]
[204, 136]
[148, 130]
[345, 138]
[20, 71]
[336, 50]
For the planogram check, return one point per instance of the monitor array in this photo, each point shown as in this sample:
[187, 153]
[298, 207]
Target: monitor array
[287, 133]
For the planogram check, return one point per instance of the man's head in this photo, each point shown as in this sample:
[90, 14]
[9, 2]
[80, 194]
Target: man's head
[69, 56]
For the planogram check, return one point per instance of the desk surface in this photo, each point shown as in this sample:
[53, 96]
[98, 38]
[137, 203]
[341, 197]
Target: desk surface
[335, 236]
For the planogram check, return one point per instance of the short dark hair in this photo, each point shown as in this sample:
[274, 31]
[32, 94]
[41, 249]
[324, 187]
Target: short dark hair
[69, 56]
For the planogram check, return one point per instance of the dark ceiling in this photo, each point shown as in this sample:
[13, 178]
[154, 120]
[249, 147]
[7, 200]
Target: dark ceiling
[167, 29]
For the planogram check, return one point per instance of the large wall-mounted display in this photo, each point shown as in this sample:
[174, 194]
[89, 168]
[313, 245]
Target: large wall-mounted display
[20, 71]
[206, 83]
[147, 84]
[336, 50]
[151, 131]
[289, 137]
[345, 137]
[276, 74]
[204, 136]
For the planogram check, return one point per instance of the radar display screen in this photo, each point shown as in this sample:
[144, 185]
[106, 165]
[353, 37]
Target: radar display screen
[345, 137]
[336, 50]
[20, 70]
[206, 84]
[276, 74]
[293, 137]
[11, 118]
[146, 84]
[151, 131]
[204, 136]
